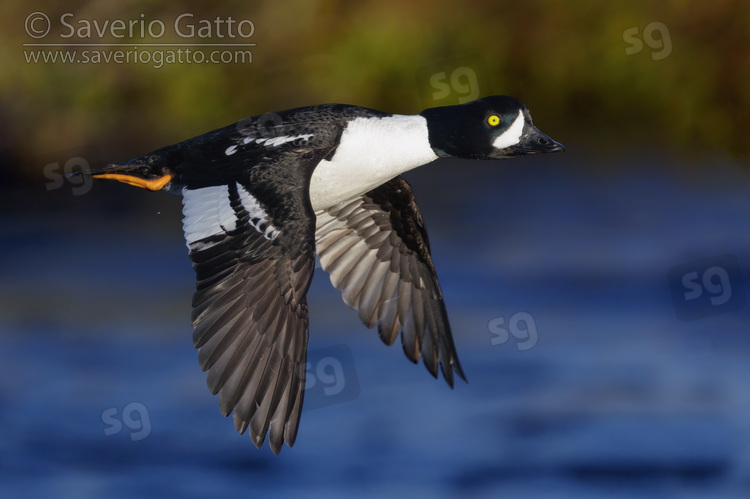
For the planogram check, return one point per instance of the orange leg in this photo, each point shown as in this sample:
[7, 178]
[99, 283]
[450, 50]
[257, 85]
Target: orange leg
[152, 185]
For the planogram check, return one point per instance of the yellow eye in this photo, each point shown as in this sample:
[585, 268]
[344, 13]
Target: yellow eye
[493, 120]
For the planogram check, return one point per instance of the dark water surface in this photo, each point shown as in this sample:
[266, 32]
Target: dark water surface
[583, 381]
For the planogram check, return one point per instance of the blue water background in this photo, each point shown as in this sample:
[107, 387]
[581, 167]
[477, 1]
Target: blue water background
[616, 397]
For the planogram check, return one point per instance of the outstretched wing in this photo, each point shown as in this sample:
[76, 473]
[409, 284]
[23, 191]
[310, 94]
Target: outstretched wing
[376, 250]
[250, 309]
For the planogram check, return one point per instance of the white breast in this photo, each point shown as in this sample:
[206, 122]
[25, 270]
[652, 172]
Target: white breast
[371, 152]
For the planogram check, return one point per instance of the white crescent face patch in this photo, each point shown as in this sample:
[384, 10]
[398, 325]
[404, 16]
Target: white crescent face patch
[512, 135]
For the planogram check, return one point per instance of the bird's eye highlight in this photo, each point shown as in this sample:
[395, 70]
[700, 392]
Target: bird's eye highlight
[493, 120]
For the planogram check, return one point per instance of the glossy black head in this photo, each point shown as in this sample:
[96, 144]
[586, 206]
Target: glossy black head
[491, 128]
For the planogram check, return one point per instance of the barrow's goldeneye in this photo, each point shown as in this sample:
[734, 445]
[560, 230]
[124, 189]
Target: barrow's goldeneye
[263, 196]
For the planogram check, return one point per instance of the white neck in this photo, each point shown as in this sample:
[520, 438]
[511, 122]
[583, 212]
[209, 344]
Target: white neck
[371, 152]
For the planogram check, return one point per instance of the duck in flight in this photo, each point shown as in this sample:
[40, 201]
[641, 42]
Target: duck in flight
[263, 196]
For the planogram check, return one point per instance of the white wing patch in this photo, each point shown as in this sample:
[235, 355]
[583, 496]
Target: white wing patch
[512, 135]
[259, 219]
[207, 212]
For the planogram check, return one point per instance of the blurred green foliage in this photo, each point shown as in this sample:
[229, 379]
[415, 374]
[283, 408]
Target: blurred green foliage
[576, 64]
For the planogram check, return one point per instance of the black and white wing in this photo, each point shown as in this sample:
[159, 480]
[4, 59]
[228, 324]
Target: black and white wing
[376, 250]
[250, 309]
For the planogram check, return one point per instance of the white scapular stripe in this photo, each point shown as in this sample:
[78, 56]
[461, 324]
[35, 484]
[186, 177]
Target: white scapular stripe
[269, 141]
[207, 212]
[512, 135]
[283, 139]
[259, 219]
